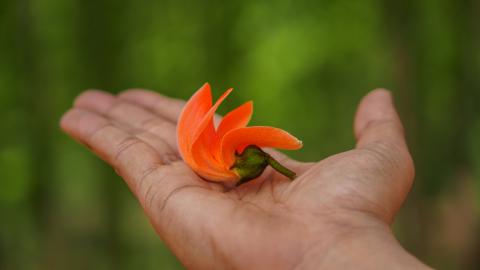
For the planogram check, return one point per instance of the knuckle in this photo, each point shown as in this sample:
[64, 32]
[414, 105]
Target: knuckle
[389, 128]
[384, 155]
[124, 146]
[146, 174]
[99, 131]
[154, 196]
[163, 101]
[153, 124]
[151, 197]
[169, 158]
[391, 160]
[385, 124]
[148, 183]
[117, 106]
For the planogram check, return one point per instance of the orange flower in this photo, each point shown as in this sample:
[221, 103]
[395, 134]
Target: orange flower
[220, 154]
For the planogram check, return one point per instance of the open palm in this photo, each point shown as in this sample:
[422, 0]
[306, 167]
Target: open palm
[268, 223]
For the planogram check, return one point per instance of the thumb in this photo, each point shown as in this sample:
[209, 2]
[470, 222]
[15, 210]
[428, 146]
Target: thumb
[379, 131]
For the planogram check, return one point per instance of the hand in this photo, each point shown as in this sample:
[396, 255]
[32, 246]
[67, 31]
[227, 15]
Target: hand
[335, 215]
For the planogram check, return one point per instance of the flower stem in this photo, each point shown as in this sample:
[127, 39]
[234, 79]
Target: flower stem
[251, 163]
[280, 168]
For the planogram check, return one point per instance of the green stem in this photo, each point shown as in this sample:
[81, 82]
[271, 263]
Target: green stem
[251, 163]
[280, 168]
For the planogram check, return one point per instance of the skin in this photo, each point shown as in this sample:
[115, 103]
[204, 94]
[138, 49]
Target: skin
[337, 214]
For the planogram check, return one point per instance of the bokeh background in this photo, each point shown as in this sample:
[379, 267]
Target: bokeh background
[305, 64]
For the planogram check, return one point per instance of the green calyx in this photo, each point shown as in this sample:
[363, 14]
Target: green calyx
[251, 163]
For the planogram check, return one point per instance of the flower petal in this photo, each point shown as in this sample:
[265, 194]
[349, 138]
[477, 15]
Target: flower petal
[237, 118]
[206, 124]
[261, 136]
[209, 167]
[200, 147]
[193, 113]
[205, 140]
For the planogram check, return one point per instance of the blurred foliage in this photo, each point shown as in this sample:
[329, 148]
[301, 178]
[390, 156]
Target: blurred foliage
[306, 64]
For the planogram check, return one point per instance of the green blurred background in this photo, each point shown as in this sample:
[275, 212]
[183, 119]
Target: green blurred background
[305, 64]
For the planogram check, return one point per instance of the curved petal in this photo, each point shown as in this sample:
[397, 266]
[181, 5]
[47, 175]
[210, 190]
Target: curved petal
[205, 139]
[202, 151]
[261, 136]
[200, 147]
[192, 114]
[237, 118]
[206, 124]
[209, 167]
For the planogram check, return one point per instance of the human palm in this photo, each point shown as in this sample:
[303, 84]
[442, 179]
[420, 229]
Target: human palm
[268, 223]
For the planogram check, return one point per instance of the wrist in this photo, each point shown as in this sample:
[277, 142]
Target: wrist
[363, 243]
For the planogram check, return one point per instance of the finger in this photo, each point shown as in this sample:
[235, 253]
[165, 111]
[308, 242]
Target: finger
[378, 128]
[95, 100]
[166, 193]
[167, 107]
[141, 122]
[133, 159]
[376, 112]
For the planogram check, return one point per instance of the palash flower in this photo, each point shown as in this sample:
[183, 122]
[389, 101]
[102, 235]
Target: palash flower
[232, 151]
